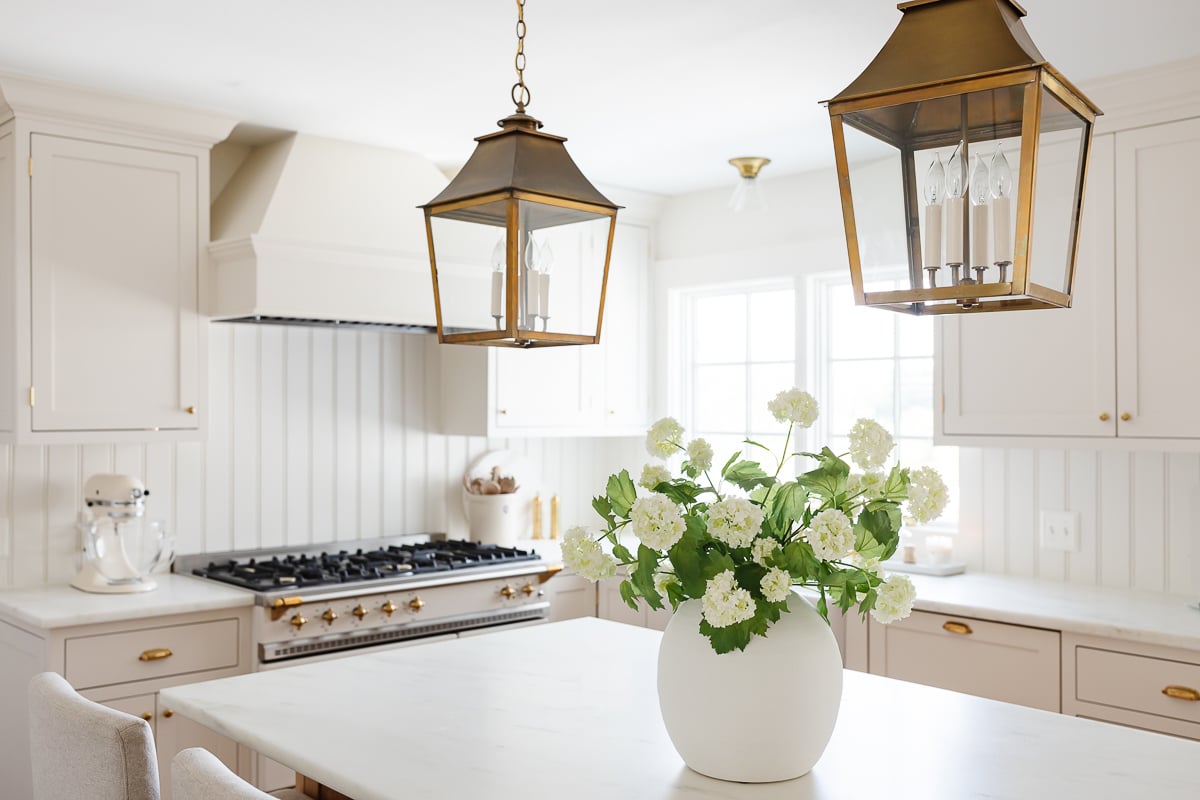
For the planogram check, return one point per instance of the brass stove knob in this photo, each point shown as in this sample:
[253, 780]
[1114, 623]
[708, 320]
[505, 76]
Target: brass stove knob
[299, 621]
[359, 611]
[507, 591]
[389, 607]
[528, 589]
[416, 604]
[329, 616]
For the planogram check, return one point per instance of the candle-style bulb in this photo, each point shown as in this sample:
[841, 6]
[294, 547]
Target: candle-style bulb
[935, 182]
[545, 258]
[532, 254]
[498, 255]
[956, 173]
[980, 182]
[1002, 178]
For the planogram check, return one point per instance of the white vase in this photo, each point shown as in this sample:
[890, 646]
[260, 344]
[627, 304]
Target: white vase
[758, 715]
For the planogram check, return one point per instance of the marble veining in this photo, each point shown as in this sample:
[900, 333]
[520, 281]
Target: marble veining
[571, 708]
[50, 607]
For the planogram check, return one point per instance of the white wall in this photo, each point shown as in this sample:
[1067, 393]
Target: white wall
[315, 435]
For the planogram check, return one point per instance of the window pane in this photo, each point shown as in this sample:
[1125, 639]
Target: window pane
[719, 329]
[719, 399]
[915, 335]
[860, 389]
[858, 331]
[766, 381]
[773, 326]
[916, 398]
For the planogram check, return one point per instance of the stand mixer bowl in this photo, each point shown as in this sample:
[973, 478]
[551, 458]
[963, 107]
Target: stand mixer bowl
[122, 547]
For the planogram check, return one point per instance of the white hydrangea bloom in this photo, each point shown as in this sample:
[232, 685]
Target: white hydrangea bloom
[864, 487]
[724, 602]
[583, 555]
[657, 522]
[663, 438]
[662, 580]
[700, 454]
[776, 585]
[735, 521]
[927, 496]
[794, 405]
[653, 475]
[895, 601]
[831, 535]
[871, 565]
[870, 444]
[763, 548]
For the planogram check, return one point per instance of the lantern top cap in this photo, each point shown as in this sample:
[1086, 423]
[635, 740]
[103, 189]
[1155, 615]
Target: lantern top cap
[945, 41]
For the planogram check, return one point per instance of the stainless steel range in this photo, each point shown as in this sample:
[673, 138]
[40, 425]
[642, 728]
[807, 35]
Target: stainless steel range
[321, 601]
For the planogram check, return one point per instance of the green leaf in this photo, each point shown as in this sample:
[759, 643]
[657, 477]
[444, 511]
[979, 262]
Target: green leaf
[895, 488]
[829, 479]
[757, 444]
[729, 463]
[622, 553]
[621, 493]
[798, 559]
[643, 575]
[713, 562]
[749, 576]
[629, 595]
[747, 475]
[604, 509]
[681, 492]
[788, 504]
[726, 640]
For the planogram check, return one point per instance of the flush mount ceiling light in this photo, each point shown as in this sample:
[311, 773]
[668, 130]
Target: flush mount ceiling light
[521, 210]
[747, 196]
[959, 116]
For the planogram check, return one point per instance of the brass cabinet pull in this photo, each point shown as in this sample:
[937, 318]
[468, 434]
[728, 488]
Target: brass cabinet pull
[191, 409]
[157, 654]
[504, 411]
[1182, 693]
[1104, 416]
[1126, 416]
[146, 715]
[168, 713]
[960, 628]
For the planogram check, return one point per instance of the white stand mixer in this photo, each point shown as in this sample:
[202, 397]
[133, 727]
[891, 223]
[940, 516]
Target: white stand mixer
[122, 549]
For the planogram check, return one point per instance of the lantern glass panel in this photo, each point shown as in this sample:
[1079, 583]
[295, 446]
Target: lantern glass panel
[470, 289]
[876, 181]
[563, 253]
[1061, 140]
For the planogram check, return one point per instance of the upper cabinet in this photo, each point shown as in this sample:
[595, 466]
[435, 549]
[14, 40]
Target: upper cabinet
[1116, 365]
[600, 390]
[105, 203]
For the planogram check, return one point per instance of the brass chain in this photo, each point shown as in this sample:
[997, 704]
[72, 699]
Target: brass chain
[520, 92]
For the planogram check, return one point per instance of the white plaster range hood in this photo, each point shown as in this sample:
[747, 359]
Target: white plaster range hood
[317, 231]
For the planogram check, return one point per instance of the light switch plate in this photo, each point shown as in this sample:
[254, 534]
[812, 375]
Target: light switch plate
[1060, 530]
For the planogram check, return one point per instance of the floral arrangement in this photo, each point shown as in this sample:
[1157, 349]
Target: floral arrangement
[739, 543]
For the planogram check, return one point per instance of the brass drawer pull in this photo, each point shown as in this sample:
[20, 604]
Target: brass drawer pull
[157, 654]
[960, 628]
[1182, 693]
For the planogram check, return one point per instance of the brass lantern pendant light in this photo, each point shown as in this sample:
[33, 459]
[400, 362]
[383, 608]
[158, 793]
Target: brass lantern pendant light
[520, 240]
[961, 157]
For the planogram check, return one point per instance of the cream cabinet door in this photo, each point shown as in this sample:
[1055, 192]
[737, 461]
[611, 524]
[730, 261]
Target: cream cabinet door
[570, 596]
[1158, 277]
[175, 733]
[624, 345]
[114, 260]
[1046, 372]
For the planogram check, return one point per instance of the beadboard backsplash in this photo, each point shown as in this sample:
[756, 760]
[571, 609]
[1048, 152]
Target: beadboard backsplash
[1139, 515]
[314, 435]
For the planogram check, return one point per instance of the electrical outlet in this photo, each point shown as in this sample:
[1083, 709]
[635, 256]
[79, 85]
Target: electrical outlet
[1060, 530]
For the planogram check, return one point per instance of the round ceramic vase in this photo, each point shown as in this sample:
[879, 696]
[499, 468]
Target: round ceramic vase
[758, 715]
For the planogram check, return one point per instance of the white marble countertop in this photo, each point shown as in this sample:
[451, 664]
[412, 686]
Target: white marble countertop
[571, 709]
[1170, 620]
[50, 607]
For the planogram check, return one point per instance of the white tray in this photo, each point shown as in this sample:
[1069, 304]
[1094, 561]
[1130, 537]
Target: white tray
[952, 568]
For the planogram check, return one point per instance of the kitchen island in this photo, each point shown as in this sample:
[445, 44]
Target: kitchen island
[570, 710]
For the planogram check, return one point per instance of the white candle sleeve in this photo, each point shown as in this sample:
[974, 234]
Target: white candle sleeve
[1002, 228]
[531, 293]
[497, 293]
[544, 294]
[979, 236]
[933, 235]
[954, 230]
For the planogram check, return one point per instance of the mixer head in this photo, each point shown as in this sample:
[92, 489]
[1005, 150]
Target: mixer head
[115, 495]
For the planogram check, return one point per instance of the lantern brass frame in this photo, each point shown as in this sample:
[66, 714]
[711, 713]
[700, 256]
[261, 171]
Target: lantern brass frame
[943, 49]
[518, 163]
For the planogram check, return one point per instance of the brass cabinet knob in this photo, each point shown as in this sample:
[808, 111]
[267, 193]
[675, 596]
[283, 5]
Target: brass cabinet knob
[416, 604]
[359, 611]
[504, 411]
[191, 409]
[1104, 416]
[156, 654]
[329, 616]
[388, 608]
[528, 589]
[960, 628]
[1126, 416]
[168, 713]
[507, 591]
[146, 715]
[1182, 693]
[299, 621]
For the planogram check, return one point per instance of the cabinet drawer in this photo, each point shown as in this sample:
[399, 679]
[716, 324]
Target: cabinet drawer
[1136, 682]
[116, 657]
[987, 659]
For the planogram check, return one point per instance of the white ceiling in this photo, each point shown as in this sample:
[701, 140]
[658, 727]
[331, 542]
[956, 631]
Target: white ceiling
[652, 94]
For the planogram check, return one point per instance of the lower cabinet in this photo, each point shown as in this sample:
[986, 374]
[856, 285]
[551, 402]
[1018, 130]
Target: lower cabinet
[996, 660]
[571, 596]
[610, 606]
[1142, 686]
